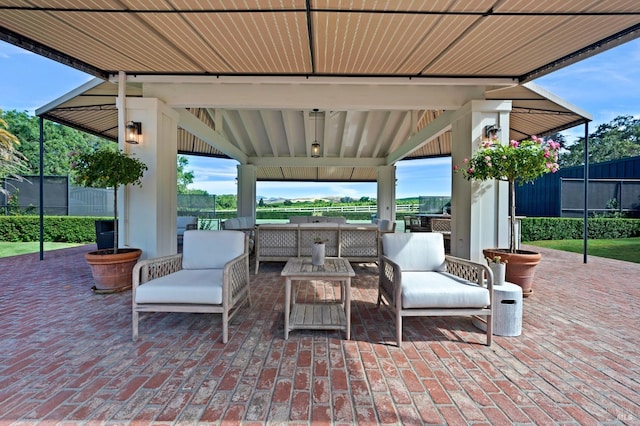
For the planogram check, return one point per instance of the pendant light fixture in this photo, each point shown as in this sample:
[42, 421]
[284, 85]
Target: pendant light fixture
[315, 146]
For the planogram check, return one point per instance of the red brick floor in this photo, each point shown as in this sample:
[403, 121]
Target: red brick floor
[66, 356]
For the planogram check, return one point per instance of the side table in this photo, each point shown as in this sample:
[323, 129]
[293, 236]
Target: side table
[507, 311]
[324, 315]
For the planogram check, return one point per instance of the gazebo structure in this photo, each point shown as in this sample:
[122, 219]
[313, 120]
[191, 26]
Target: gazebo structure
[371, 83]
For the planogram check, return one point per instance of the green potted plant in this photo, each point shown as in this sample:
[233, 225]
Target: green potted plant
[515, 162]
[109, 168]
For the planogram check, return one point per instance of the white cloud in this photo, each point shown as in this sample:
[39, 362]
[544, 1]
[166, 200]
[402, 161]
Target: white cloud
[9, 50]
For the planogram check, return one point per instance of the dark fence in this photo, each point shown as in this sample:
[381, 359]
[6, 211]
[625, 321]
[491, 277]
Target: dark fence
[434, 205]
[605, 196]
[24, 196]
[63, 199]
[197, 205]
[613, 187]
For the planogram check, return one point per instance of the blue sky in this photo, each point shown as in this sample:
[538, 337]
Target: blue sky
[606, 85]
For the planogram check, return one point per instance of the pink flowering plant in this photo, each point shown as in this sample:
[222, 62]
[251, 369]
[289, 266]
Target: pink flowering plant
[519, 161]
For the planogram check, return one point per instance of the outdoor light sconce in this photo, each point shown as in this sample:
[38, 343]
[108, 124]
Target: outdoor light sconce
[133, 132]
[491, 131]
[315, 146]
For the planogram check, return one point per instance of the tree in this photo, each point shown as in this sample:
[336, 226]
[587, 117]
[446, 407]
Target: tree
[12, 162]
[108, 168]
[611, 141]
[227, 201]
[185, 178]
[261, 202]
[60, 142]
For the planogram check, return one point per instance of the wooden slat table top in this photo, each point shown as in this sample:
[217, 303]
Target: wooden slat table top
[333, 268]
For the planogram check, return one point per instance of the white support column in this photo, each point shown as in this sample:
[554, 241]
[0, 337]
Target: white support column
[479, 209]
[247, 191]
[148, 214]
[387, 192]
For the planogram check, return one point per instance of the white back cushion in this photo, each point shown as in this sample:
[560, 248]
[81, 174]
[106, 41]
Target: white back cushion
[245, 222]
[183, 221]
[298, 219]
[232, 223]
[319, 225]
[211, 249]
[415, 251]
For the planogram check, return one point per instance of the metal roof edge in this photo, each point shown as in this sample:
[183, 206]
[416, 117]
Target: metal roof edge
[558, 100]
[94, 82]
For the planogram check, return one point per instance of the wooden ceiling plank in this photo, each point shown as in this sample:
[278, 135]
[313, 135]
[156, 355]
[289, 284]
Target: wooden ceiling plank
[269, 129]
[191, 123]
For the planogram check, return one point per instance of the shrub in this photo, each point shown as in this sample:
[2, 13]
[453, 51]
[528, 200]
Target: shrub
[62, 229]
[555, 228]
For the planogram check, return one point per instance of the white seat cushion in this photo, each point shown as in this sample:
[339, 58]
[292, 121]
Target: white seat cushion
[441, 290]
[195, 286]
[211, 249]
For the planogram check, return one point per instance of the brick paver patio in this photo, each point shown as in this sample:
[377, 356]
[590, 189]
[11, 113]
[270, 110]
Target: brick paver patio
[66, 356]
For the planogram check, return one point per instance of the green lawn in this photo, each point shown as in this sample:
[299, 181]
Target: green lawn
[13, 249]
[623, 249]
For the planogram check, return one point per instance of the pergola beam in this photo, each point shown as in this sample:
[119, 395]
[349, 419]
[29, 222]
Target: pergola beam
[436, 128]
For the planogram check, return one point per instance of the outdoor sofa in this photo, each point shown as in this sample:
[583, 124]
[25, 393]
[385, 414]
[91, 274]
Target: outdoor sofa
[279, 242]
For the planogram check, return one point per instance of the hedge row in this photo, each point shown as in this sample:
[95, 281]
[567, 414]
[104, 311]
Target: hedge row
[61, 229]
[556, 228]
[80, 229]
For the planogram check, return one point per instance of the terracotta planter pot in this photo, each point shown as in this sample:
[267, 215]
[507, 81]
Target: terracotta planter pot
[520, 267]
[112, 272]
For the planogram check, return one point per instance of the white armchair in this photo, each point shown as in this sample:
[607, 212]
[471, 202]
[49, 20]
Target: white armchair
[417, 279]
[211, 275]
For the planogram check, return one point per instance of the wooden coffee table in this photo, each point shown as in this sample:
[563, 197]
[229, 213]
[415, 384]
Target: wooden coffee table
[326, 315]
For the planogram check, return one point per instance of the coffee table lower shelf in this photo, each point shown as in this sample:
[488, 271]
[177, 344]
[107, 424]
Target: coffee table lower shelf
[318, 316]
